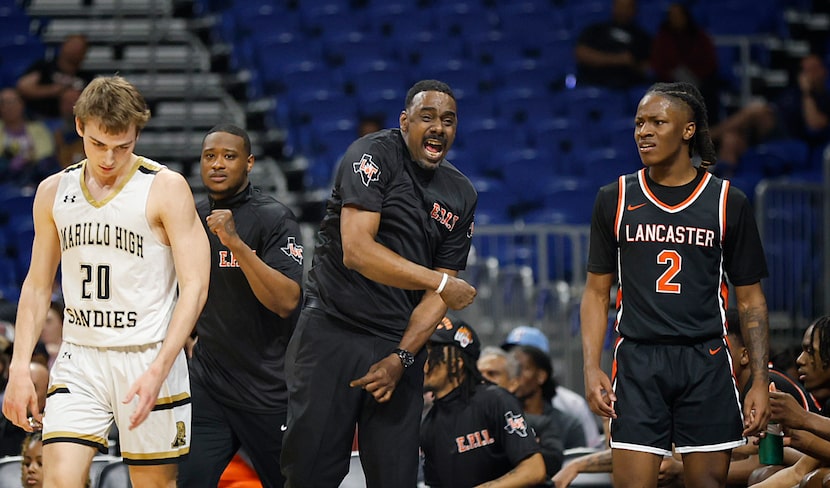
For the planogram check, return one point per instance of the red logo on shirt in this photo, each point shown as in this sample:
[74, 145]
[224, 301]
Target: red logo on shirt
[226, 260]
[293, 250]
[472, 441]
[515, 424]
[367, 169]
[444, 216]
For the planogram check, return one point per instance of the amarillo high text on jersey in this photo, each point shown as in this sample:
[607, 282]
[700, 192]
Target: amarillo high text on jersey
[115, 277]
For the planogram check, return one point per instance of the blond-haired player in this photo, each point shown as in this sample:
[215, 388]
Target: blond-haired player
[135, 268]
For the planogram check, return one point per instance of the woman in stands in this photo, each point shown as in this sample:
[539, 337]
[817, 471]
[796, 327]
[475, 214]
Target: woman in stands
[32, 462]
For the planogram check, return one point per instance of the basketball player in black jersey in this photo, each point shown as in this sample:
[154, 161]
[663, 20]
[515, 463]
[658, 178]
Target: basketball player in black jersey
[396, 232]
[670, 235]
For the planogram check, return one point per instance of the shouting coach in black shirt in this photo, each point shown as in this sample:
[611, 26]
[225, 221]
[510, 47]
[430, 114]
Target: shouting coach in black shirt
[396, 232]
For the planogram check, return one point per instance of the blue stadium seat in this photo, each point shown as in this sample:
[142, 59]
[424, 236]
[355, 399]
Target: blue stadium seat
[259, 18]
[491, 48]
[529, 173]
[605, 165]
[275, 57]
[489, 137]
[463, 18]
[778, 157]
[376, 75]
[563, 140]
[583, 14]
[14, 26]
[26, 51]
[494, 201]
[425, 50]
[522, 105]
[557, 55]
[398, 19]
[530, 74]
[307, 76]
[528, 24]
[594, 104]
[344, 48]
[464, 77]
[333, 136]
[564, 206]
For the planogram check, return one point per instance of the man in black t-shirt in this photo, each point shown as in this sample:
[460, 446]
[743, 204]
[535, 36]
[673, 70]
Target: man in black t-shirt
[615, 53]
[44, 82]
[475, 432]
[238, 362]
[396, 232]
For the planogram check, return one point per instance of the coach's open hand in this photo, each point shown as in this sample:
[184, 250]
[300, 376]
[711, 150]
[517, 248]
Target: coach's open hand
[457, 293]
[382, 378]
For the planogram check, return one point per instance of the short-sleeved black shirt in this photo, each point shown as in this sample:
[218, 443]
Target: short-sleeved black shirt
[468, 441]
[682, 242]
[240, 353]
[50, 73]
[425, 216]
[613, 38]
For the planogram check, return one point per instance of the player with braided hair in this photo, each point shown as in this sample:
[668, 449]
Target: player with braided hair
[670, 235]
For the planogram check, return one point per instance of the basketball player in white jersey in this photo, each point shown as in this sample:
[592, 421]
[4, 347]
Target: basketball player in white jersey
[135, 266]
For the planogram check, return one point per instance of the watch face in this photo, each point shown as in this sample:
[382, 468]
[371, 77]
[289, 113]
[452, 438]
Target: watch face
[407, 359]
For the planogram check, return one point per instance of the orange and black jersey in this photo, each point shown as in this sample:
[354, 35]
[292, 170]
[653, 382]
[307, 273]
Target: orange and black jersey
[240, 354]
[672, 249]
[425, 216]
[468, 441]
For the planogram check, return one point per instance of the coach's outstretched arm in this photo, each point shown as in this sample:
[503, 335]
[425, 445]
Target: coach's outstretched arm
[362, 253]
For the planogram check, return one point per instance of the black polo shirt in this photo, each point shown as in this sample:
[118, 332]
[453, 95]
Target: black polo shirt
[425, 216]
[468, 441]
[240, 354]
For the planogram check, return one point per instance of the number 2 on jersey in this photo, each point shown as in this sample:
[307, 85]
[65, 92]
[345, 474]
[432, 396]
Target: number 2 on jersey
[664, 282]
[100, 275]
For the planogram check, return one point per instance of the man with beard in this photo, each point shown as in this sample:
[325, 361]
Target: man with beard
[396, 232]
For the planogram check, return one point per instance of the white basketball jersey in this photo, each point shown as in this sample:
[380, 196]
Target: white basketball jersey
[119, 282]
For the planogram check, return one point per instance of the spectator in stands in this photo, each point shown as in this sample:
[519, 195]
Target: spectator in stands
[369, 124]
[503, 369]
[683, 51]
[69, 145]
[44, 82]
[614, 53]
[801, 112]
[475, 432]
[565, 399]
[535, 388]
[27, 150]
[32, 461]
[498, 367]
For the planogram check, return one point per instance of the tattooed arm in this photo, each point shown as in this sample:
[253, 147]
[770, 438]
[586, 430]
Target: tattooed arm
[752, 306]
